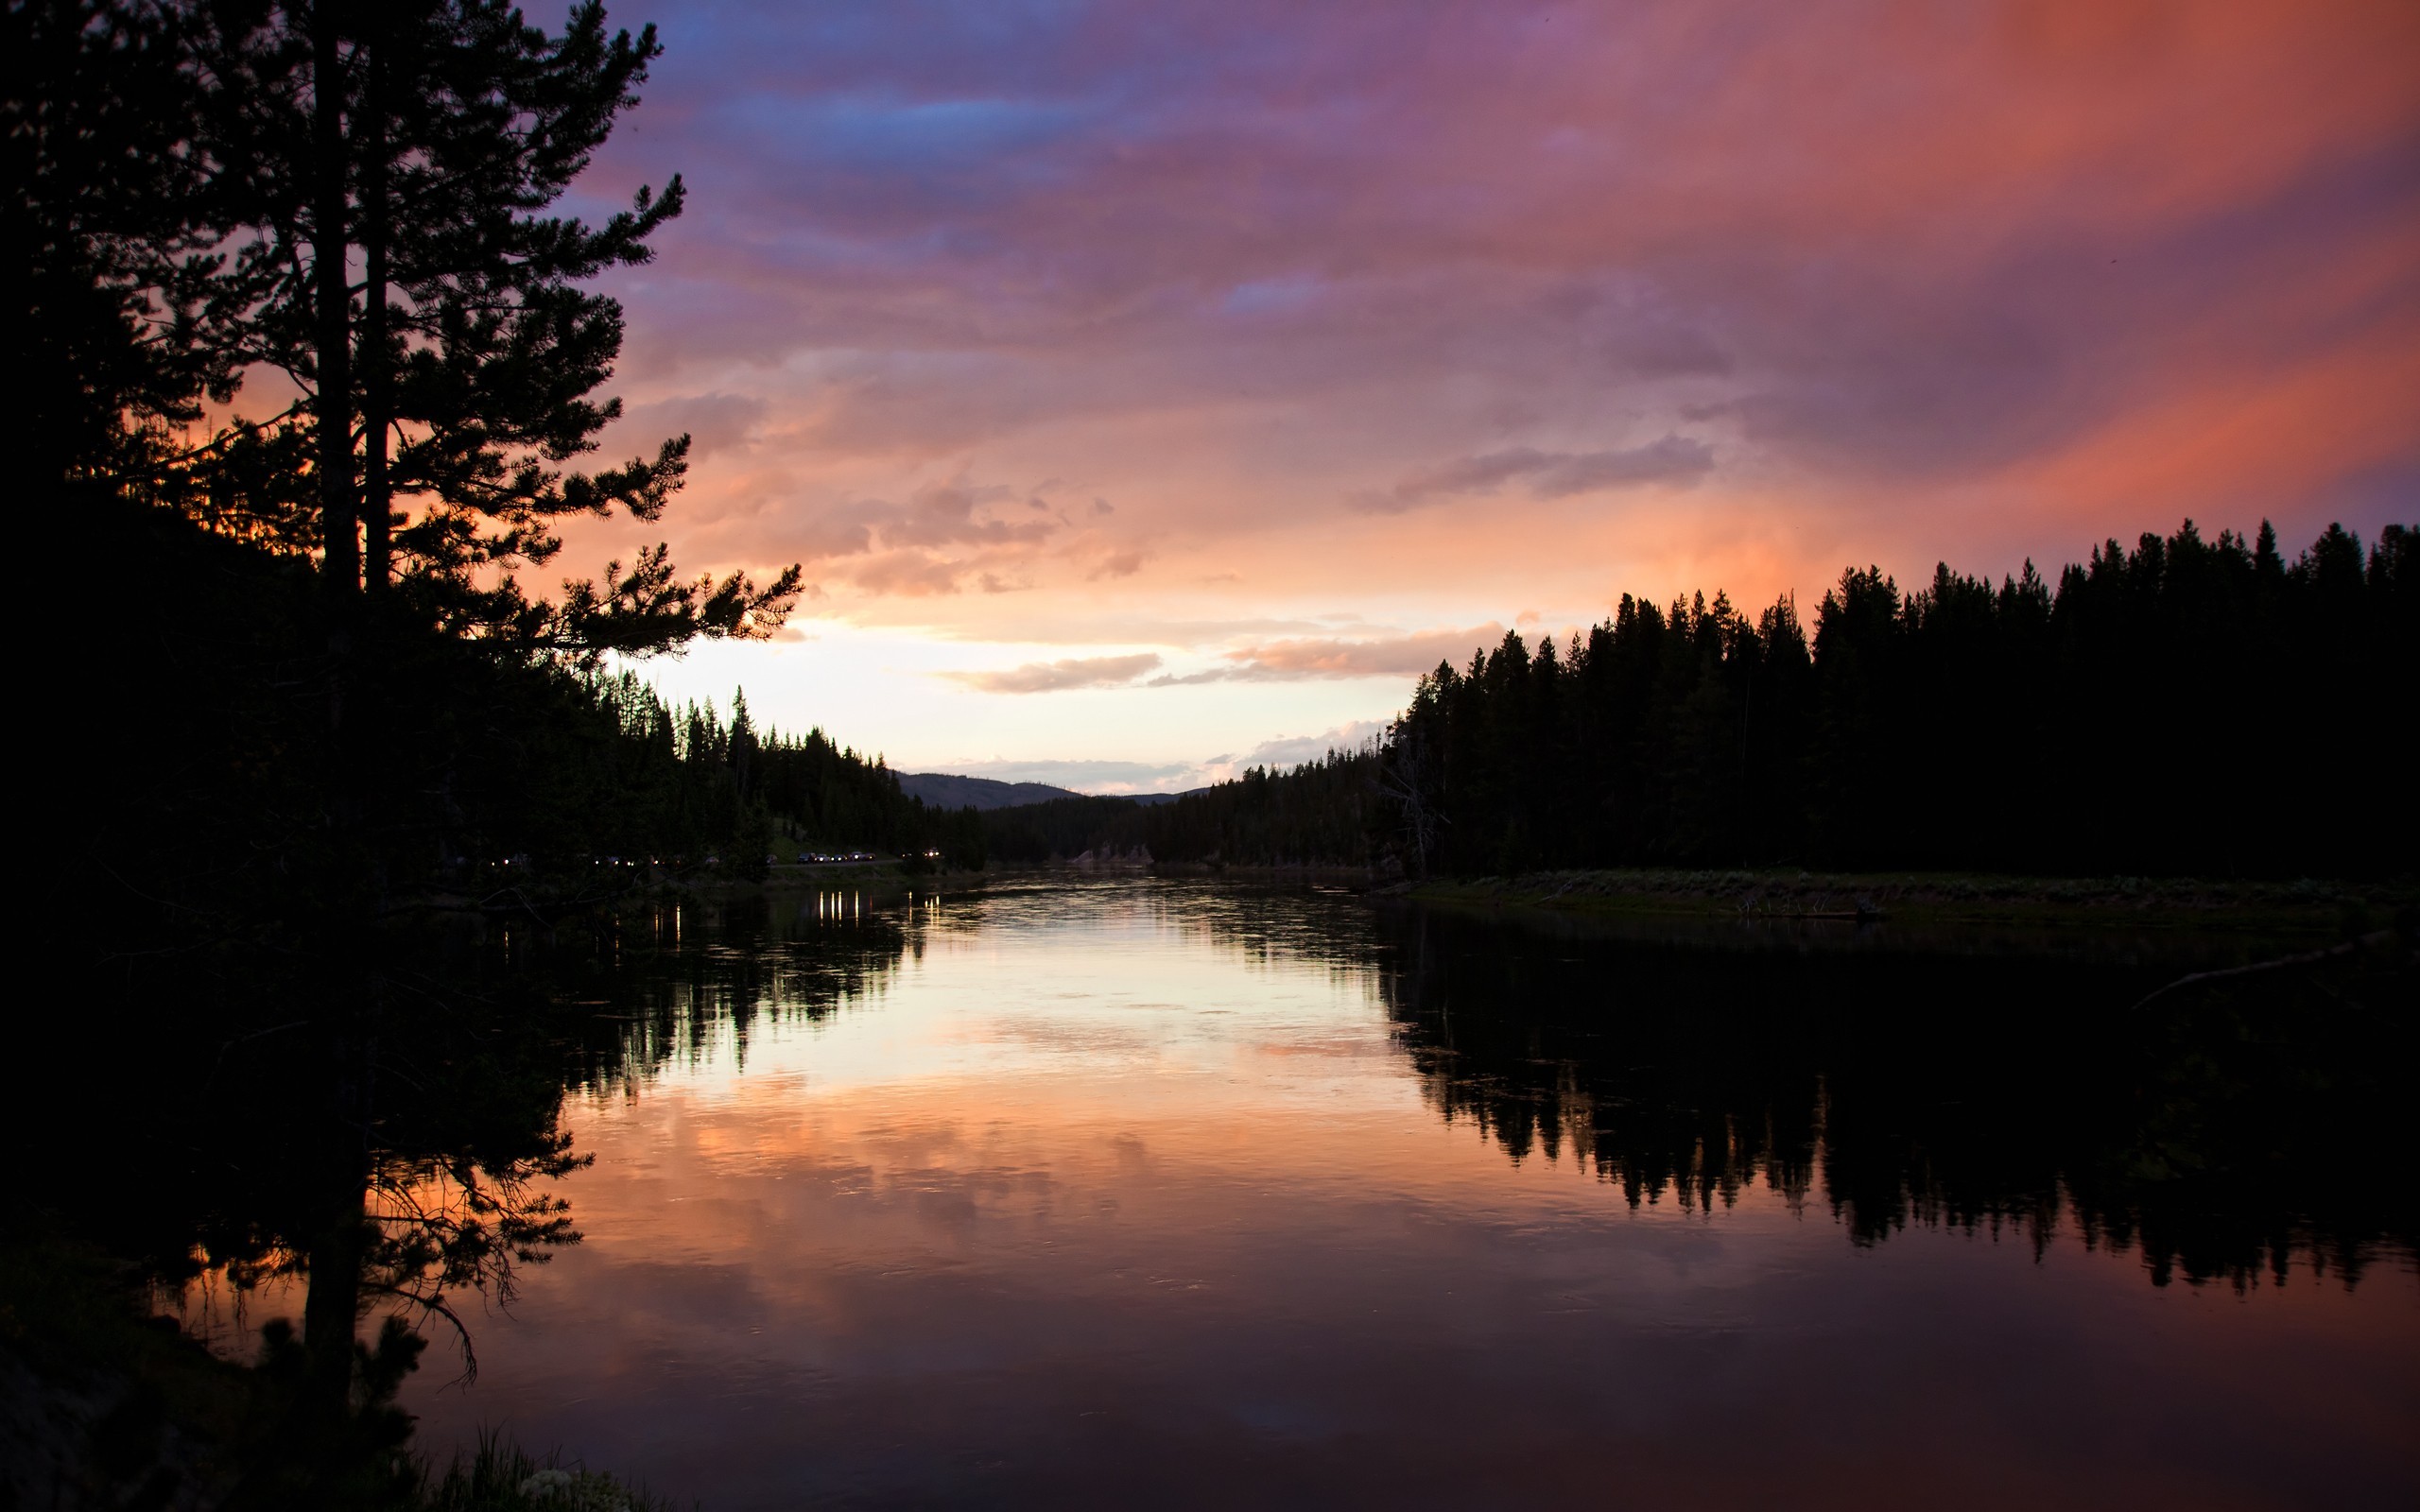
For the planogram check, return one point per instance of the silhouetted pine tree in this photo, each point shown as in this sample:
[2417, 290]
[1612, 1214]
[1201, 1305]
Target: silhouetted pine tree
[2184, 705]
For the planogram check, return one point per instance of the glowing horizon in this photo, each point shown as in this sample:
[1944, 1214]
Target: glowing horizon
[1160, 388]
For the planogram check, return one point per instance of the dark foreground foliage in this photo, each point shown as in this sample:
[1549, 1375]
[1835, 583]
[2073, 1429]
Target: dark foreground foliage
[102, 1405]
[333, 765]
[472, 755]
[329, 1031]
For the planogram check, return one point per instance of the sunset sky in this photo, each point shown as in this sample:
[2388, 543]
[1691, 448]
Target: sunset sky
[1151, 389]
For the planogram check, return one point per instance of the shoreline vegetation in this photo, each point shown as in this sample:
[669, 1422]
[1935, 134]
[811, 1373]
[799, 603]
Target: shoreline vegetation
[2080, 904]
[2187, 706]
[1942, 904]
[2003, 743]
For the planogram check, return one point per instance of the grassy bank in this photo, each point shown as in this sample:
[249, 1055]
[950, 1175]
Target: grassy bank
[1944, 899]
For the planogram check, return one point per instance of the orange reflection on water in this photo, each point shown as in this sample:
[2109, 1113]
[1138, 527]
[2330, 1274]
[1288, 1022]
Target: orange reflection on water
[1118, 1196]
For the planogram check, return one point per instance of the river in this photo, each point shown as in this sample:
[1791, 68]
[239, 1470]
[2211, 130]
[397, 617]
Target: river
[1164, 1194]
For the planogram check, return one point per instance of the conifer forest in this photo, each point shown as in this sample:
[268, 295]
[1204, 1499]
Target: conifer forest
[2150, 712]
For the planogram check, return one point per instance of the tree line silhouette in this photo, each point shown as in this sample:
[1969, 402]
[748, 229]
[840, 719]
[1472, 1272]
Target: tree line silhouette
[1321, 812]
[1322, 809]
[2188, 706]
[685, 786]
[1059, 829]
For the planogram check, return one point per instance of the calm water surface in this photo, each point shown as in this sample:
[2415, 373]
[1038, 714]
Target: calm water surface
[1150, 1193]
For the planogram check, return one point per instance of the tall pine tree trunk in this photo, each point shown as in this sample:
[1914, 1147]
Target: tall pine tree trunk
[377, 378]
[338, 516]
[332, 1308]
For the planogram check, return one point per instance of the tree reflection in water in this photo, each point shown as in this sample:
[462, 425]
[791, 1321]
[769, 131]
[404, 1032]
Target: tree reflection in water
[409, 1152]
[674, 977]
[404, 1154]
[361, 1131]
[2222, 1130]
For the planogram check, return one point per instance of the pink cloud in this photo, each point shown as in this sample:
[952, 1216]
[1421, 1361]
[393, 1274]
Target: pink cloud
[1404, 656]
[1672, 461]
[909, 574]
[1061, 675]
[1842, 271]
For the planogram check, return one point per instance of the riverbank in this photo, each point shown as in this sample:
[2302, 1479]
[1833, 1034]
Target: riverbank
[887, 875]
[1902, 908]
[2131, 905]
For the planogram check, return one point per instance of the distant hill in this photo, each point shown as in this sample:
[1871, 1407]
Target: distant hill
[941, 790]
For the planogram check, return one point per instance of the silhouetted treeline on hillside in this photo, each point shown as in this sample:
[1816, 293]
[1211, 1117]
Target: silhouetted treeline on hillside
[480, 756]
[2189, 706]
[2185, 706]
[692, 785]
[1322, 813]
[1060, 830]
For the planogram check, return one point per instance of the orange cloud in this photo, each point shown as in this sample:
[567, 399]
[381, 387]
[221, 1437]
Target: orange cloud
[1058, 677]
[1404, 656]
[1432, 316]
